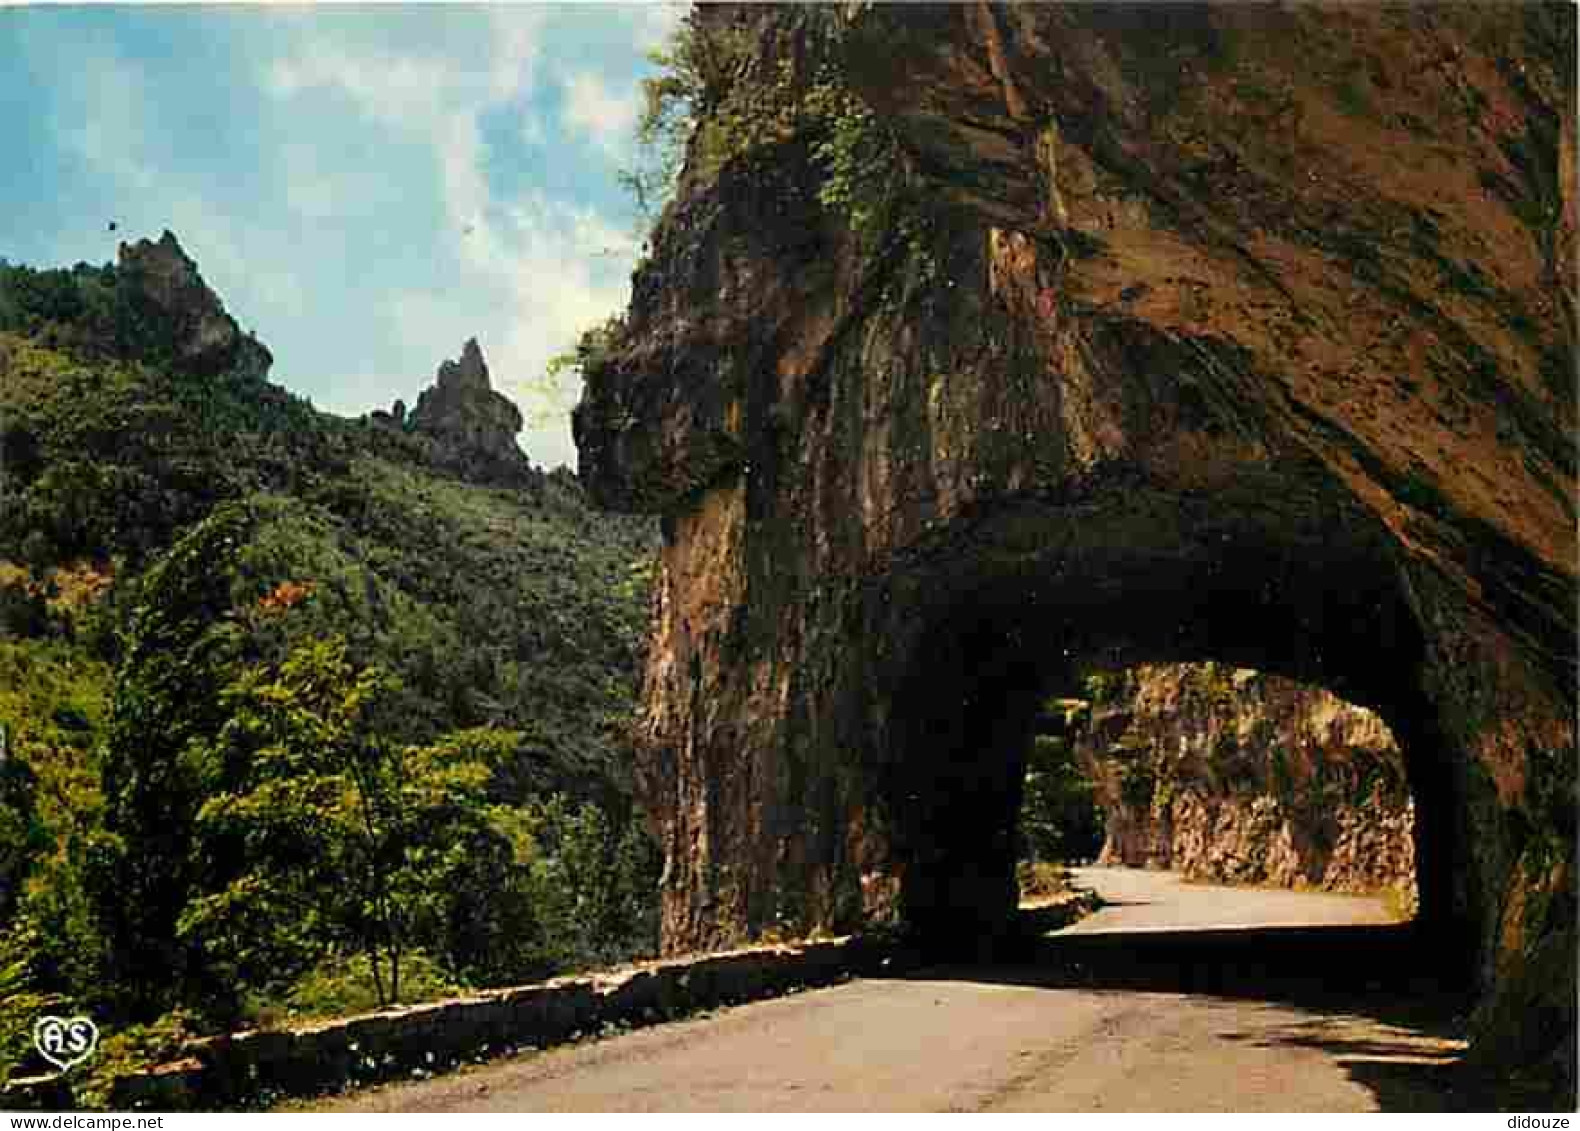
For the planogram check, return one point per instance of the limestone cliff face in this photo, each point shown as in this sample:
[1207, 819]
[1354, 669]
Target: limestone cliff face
[473, 427]
[1241, 334]
[1234, 776]
[192, 319]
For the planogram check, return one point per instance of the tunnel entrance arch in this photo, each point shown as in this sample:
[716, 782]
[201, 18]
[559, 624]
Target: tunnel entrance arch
[1267, 574]
[1220, 774]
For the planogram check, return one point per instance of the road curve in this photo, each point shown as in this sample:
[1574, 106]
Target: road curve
[1004, 1038]
[1145, 900]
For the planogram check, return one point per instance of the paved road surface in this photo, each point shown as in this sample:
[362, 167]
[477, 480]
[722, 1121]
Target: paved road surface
[1149, 901]
[1051, 1036]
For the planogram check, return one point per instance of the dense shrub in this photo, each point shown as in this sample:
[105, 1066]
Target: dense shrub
[1059, 819]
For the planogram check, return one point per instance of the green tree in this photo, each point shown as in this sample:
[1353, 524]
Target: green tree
[339, 837]
[594, 883]
[1059, 820]
[182, 648]
[694, 67]
[21, 833]
[715, 100]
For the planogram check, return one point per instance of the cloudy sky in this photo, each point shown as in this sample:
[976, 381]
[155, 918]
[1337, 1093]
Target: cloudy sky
[365, 187]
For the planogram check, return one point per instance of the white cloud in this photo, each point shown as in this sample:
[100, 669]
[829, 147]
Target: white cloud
[597, 237]
[541, 272]
[516, 37]
[655, 22]
[592, 108]
[413, 90]
[402, 91]
[243, 266]
[438, 101]
[311, 190]
[102, 119]
[533, 271]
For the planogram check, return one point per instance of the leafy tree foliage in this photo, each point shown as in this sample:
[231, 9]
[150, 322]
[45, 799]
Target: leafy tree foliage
[20, 834]
[1059, 818]
[182, 650]
[52, 703]
[21, 1001]
[111, 455]
[716, 100]
[697, 68]
[335, 836]
[593, 884]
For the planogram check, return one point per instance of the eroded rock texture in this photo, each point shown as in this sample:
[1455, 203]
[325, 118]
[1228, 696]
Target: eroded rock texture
[1230, 775]
[473, 427]
[1241, 334]
[178, 308]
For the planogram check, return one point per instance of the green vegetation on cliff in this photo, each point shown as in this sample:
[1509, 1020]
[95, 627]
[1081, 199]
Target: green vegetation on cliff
[719, 98]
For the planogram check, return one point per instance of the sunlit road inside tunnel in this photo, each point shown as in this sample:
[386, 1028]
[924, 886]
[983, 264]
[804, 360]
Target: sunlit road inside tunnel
[1228, 1008]
[1143, 900]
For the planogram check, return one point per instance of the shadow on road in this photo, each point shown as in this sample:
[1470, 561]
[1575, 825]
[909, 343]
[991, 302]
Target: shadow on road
[1387, 1005]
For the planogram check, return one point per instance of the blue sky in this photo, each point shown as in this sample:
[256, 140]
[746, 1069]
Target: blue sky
[366, 187]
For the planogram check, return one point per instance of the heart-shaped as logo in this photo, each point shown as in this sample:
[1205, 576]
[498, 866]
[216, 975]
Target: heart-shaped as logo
[65, 1041]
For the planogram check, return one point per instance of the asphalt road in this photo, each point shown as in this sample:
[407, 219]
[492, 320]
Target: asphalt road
[1124, 1012]
[1142, 900]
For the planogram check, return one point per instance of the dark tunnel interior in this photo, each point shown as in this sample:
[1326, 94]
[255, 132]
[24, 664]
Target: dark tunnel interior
[1011, 610]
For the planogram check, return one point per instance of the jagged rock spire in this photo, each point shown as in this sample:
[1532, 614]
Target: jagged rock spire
[475, 426]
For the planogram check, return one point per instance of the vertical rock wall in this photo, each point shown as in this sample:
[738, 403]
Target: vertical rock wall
[1240, 333]
[1230, 775]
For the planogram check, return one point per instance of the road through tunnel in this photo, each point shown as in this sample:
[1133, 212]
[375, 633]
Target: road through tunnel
[1104, 397]
[1018, 604]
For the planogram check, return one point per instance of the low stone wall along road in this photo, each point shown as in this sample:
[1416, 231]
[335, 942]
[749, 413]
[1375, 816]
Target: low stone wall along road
[1241, 1010]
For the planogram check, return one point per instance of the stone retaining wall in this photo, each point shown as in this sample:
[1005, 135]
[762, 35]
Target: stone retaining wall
[243, 1069]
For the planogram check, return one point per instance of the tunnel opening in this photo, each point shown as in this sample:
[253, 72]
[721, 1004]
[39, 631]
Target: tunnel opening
[1018, 605]
[1222, 775]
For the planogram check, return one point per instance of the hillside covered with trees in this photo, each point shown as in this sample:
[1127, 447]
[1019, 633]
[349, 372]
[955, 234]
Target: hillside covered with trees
[301, 713]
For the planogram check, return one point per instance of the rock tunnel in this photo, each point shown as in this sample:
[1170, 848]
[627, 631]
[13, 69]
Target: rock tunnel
[1243, 368]
[1142, 577]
